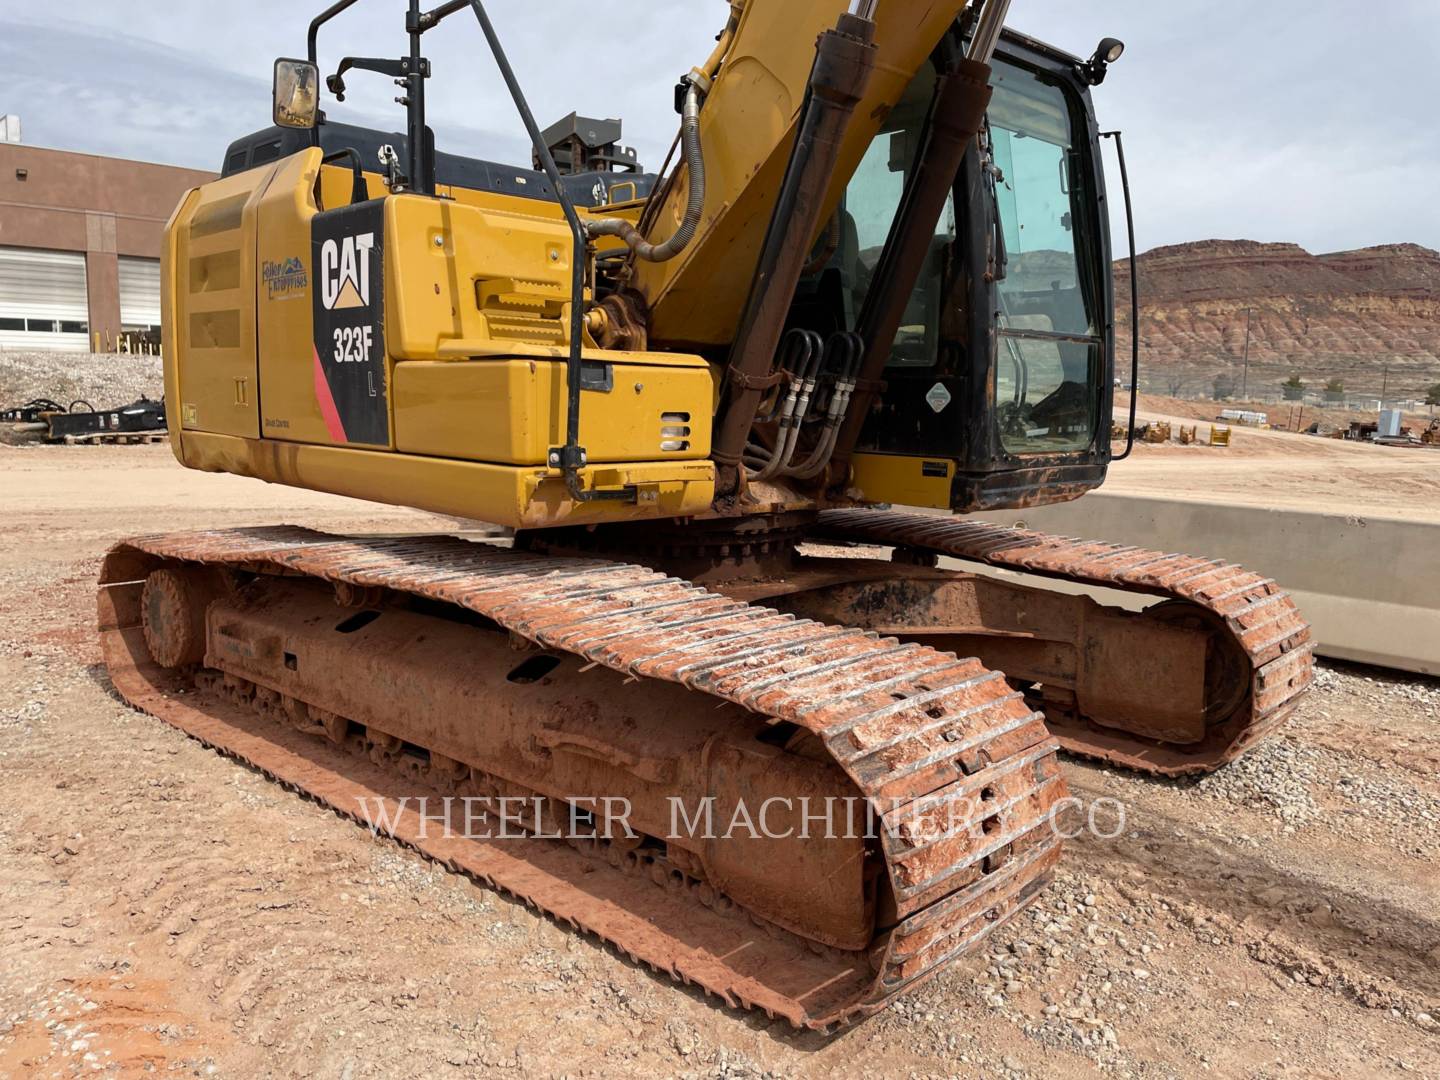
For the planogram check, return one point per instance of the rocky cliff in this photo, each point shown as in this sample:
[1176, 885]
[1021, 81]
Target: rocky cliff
[1348, 315]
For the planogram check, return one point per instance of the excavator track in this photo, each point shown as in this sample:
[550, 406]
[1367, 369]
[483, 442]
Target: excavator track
[1259, 616]
[960, 773]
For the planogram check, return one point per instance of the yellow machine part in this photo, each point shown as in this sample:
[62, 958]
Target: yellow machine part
[214, 326]
[517, 496]
[747, 126]
[524, 401]
[336, 182]
[476, 316]
[900, 478]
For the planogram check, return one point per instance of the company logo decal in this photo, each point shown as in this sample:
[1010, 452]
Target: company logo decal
[348, 310]
[284, 279]
[345, 271]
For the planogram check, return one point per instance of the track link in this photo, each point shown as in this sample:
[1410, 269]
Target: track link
[1260, 616]
[961, 773]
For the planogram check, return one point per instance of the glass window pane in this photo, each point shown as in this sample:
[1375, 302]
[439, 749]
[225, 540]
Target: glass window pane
[265, 152]
[1032, 145]
[1043, 396]
[1044, 378]
[871, 201]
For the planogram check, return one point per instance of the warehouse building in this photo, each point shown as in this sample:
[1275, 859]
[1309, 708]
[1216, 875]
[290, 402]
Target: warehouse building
[80, 239]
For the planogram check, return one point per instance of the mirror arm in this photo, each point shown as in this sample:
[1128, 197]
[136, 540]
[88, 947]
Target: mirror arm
[337, 8]
[336, 83]
[312, 46]
[432, 18]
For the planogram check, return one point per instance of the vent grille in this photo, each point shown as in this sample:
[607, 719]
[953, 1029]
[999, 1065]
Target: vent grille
[674, 432]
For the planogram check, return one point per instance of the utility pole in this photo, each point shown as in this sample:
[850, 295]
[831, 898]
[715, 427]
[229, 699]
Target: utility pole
[1245, 377]
[1384, 383]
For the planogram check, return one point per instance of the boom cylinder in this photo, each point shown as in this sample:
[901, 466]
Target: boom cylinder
[956, 114]
[844, 58]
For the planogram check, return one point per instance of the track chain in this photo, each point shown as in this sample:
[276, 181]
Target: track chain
[534, 813]
[961, 772]
[1260, 616]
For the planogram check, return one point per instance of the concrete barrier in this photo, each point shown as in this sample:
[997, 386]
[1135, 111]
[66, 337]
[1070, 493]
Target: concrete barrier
[1369, 585]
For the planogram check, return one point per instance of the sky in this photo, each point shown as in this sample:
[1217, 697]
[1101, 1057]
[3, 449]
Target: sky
[1307, 121]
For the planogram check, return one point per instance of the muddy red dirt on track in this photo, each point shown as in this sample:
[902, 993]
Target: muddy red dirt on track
[961, 856]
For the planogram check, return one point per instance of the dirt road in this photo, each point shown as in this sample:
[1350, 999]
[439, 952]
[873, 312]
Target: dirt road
[1282, 469]
[165, 910]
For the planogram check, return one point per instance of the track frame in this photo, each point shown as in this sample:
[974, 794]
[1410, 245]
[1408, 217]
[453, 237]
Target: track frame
[961, 773]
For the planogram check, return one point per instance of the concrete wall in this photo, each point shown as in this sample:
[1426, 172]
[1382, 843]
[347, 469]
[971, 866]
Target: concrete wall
[1370, 586]
[104, 207]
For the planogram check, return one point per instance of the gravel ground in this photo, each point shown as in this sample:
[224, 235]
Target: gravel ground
[165, 911]
[103, 379]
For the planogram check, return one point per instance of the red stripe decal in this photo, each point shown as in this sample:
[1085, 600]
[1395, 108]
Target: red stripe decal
[327, 402]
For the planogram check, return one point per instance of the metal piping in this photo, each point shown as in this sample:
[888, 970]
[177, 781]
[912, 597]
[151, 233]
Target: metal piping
[987, 31]
[722, 46]
[808, 364]
[1134, 299]
[695, 163]
[802, 359]
[851, 349]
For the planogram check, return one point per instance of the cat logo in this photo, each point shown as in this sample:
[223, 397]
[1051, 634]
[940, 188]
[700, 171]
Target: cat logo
[345, 271]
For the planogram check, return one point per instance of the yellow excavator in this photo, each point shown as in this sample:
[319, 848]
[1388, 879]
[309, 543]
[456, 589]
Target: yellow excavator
[715, 702]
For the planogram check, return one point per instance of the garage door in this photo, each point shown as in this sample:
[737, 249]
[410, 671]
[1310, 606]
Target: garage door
[139, 294]
[42, 300]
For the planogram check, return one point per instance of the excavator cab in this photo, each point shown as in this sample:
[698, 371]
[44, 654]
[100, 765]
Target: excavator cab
[998, 388]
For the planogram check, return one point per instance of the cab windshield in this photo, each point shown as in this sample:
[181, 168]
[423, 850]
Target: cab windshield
[1049, 348]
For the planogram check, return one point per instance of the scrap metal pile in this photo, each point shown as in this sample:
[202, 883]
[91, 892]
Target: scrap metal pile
[80, 422]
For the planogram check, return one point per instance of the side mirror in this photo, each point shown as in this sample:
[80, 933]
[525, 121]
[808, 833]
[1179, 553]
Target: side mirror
[297, 94]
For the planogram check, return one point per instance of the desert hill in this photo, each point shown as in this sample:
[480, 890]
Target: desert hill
[1346, 315]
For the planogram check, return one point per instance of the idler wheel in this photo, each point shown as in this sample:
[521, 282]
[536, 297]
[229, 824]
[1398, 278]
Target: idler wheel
[172, 607]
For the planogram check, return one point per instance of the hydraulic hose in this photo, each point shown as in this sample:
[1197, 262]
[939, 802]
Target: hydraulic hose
[695, 162]
[844, 58]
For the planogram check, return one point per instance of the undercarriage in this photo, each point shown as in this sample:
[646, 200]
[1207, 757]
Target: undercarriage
[774, 774]
[1208, 668]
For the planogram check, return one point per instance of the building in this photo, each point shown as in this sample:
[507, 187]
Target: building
[80, 239]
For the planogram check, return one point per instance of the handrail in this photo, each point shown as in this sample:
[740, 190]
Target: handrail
[1134, 295]
[570, 457]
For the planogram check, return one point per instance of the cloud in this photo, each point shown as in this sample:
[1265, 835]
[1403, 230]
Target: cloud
[76, 88]
[1274, 121]
[177, 83]
[79, 90]
[1286, 120]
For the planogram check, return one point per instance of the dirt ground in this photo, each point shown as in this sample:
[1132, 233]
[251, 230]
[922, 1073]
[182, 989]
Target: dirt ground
[166, 911]
[1280, 468]
[1287, 415]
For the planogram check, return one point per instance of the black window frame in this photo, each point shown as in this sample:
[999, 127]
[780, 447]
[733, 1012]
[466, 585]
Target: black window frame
[966, 429]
